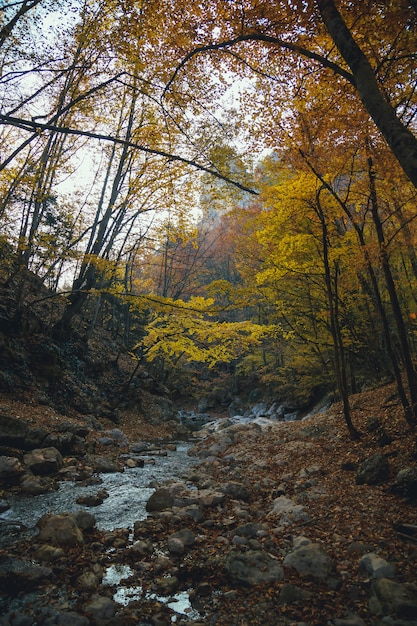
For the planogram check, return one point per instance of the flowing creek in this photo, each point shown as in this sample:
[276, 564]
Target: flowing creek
[128, 492]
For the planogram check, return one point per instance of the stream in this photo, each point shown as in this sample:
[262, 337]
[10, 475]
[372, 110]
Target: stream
[128, 492]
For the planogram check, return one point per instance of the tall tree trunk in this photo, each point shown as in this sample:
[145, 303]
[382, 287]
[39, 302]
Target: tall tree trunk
[399, 138]
[332, 299]
[395, 304]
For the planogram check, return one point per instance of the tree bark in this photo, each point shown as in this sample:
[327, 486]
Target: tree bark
[399, 138]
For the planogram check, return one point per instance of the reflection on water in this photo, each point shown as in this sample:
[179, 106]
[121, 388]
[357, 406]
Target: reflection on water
[178, 602]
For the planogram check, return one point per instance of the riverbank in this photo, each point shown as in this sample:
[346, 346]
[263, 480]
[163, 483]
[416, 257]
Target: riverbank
[277, 523]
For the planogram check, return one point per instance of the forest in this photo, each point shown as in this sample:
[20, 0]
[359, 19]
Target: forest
[229, 188]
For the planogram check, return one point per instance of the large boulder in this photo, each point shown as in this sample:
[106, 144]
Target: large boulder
[17, 574]
[44, 461]
[406, 482]
[60, 530]
[310, 561]
[160, 500]
[11, 470]
[253, 568]
[391, 598]
[373, 471]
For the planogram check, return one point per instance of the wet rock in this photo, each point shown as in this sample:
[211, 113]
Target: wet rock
[310, 561]
[391, 598]
[85, 520]
[373, 471]
[44, 461]
[48, 553]
[160, 500]
[17, 574]
[4, 505]
[253, 568]
[289, 511]
[93, 499]
[11, 470]
[101, 607]
[35, 485]
[60, 530]
[138, 447]
[103, 464]
[376, 566]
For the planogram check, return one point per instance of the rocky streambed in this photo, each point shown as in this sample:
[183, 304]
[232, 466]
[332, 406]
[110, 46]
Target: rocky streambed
[260, 524]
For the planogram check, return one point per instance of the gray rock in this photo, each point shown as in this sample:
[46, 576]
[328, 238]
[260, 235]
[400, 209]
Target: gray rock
[17, 574]
[248, 530]
[16, 618]
[253, 568]
[60, 530]
[311, 561]
[11, 470]
[193, 511]
[103, 464]
[44, 461]
[35, 485]
[376, 566]
[160, 500]
[291, 594]
[237, 490]
[406, 482]
[349, 620]
[186, 535]
[101, 607]
[373, 471]
[93, 499]
[391, 598]
[175, 546]
[4, 505]
[13, 431]
[70, 618]
[85, 520]
[113, 437]
[35, 438]
[60, 441]
[289, 511]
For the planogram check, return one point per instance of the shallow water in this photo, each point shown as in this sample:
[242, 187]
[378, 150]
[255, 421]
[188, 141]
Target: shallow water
[128, 493]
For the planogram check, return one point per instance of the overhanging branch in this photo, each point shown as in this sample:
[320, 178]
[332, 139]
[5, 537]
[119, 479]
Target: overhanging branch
[34, 126]
[275, 41]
